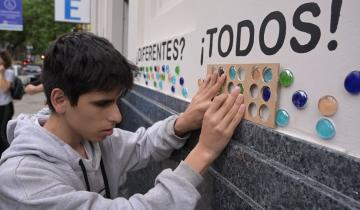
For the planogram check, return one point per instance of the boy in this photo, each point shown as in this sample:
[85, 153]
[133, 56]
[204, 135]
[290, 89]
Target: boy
[76, 159]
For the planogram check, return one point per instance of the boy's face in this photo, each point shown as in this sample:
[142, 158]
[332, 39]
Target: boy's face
[94, 116]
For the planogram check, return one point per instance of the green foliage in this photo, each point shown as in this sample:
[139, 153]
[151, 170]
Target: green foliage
[39, 27]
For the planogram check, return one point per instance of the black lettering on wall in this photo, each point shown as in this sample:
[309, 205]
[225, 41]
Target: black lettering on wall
[228, 29]
[244, 24]
[279, 17]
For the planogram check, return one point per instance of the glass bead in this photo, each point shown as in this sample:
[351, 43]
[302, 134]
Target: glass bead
[267, 74]
[146, 83]
[352, 82]
[184, 92]
[232, 73]
[241, 88]
[181, 80]
[155, 83]
[266, 93]
[255, 74]
[299, 99]
[177, 70]
[160, 85]
[173, 80]
[163, 77]
[163, 68]
[286, 78]
[173, 89]
[157, 75]
[327, 105]
[167, 68]
[325, 129]
[282, 118]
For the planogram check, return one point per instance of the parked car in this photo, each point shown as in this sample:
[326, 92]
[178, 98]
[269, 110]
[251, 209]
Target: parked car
[30, 72]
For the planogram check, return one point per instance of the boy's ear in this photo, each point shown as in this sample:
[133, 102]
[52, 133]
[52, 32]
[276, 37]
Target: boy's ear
[59, 100]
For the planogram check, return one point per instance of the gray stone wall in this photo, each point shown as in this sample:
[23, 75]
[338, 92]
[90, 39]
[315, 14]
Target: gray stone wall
[260, 169]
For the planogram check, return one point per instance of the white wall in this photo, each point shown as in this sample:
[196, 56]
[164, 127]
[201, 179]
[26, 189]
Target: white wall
[319, 71]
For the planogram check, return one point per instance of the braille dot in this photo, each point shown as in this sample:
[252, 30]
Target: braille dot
[252, 109]
[177, 70]
[230, 87]
[173, 80]
[254, 91]
[160, 85]
[255, 74]
[173, 89]
[241, 88]
[167, 68]
[163, 68]
[163, 77]
[286, 78]
[267, 74]
[299, 99]
[327, 105]
[325, 129]
[282, 118]
[264, 112]
[232, 73]
[266, 93]
[184, 92]
[352, 82]
[181, 81]
[241, 74]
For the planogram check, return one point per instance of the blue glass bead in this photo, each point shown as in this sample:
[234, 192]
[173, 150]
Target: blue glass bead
[352, 82]
[163, 68]
[160, 85]
[267, 75]
[182, 81]
[325, 129]
[144, 76]
[184, 92]
[299, 99]
[167, 68]
[232, 72]
[173, 80]
[146, 83]
[157, 75]
[282, 118]
[173, 89]
[266, 93]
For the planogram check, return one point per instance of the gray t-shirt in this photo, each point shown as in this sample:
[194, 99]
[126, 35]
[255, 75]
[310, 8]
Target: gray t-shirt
[5, 97]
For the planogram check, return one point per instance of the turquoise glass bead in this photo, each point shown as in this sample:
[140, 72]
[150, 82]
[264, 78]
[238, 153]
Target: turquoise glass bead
[282, 117]
[267, 75]
[232, 73]
[184, 92]
[325, 129]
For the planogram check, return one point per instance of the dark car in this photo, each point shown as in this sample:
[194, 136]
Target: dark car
[31, 71]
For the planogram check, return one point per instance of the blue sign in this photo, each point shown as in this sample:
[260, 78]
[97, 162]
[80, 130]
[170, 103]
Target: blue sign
[11, 15]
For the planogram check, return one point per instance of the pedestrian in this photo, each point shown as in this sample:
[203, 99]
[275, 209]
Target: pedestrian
[6, 105]
[70, 156]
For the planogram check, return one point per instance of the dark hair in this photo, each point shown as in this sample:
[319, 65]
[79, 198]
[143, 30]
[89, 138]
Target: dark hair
[80, 62]
[5, 56]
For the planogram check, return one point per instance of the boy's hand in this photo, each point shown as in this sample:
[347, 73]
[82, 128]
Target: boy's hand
[220, 121]
[193, 116]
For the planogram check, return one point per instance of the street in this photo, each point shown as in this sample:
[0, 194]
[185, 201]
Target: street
[29, 104]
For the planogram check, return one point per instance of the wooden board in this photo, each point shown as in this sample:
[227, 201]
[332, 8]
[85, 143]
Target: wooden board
[256, 83]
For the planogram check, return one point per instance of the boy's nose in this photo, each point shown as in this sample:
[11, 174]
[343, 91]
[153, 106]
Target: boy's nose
[115, 115]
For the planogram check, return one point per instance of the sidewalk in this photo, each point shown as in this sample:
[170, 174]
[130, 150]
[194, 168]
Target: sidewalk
[29, 104]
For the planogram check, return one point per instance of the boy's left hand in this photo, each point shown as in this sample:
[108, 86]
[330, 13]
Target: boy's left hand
[193, 116]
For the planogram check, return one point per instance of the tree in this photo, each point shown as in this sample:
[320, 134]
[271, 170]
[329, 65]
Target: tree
[39, 28]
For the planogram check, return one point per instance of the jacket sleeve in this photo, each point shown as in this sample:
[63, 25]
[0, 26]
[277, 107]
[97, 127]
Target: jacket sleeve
[41, 188]
[132, 151]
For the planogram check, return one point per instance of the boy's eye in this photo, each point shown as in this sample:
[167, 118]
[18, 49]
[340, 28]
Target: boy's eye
[102, 103]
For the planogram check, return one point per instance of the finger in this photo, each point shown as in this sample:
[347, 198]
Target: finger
[233, 111]
[229, 102]
[214, 90]
[217, 103]
[238, 117]
[213, 80]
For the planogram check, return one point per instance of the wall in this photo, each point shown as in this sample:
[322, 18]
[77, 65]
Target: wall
[182, 33]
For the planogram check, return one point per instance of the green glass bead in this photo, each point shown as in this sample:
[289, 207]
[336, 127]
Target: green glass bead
[241, 88]
[177, 70]
[286, 78]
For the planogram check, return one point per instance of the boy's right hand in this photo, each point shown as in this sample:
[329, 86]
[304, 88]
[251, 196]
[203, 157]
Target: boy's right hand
[220, 121]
